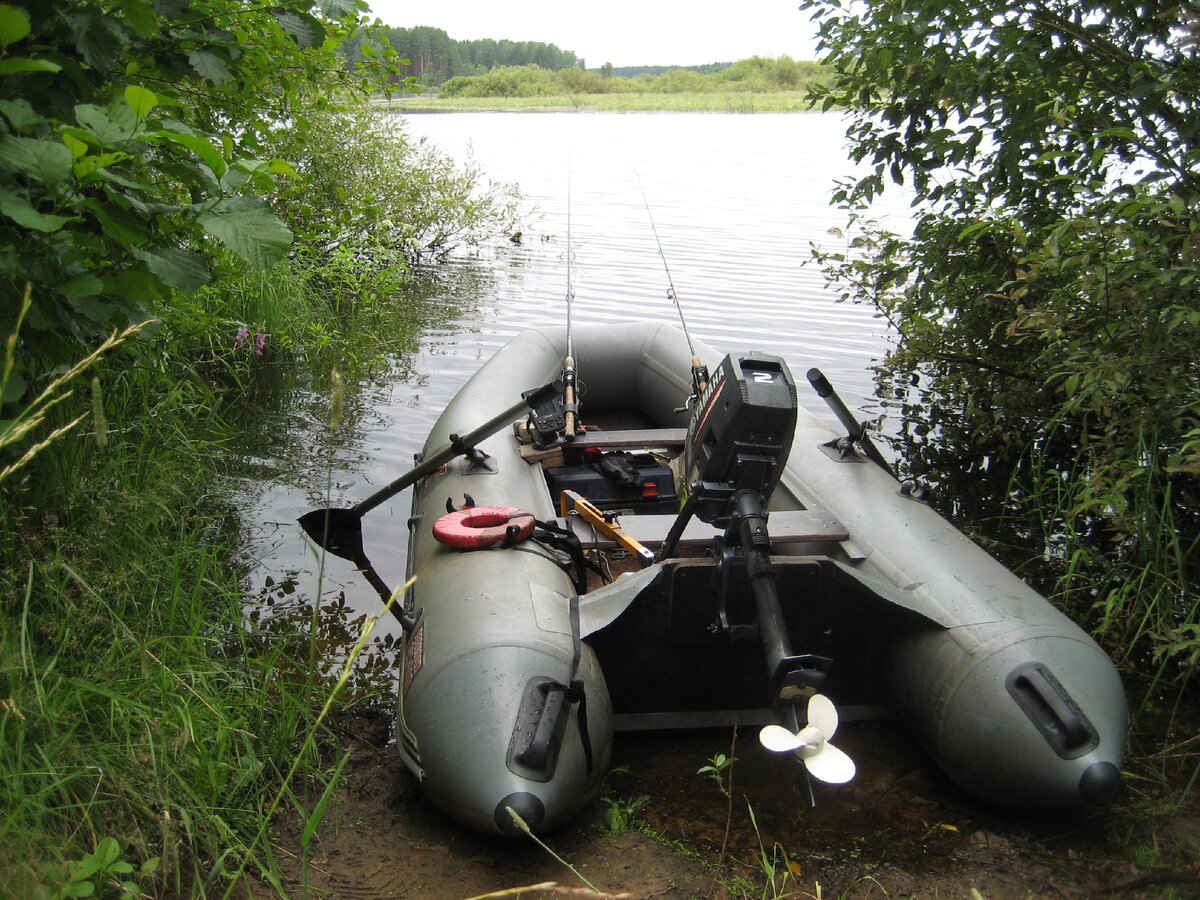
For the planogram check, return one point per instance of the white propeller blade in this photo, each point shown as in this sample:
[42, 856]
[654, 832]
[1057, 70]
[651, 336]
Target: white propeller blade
[830, 765]
[778, 739]
[811, 743]
[822, 715]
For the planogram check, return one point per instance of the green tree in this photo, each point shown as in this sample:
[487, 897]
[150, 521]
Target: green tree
[1046, 300]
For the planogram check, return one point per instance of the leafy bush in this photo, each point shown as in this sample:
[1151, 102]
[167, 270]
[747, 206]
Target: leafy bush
[1047, 303]
[361, 183]
[759, 73]
[678, 81]
[506, 81]
[129, 148]
[589, 81]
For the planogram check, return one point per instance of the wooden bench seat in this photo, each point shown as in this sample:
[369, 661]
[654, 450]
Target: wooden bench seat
[785, 526]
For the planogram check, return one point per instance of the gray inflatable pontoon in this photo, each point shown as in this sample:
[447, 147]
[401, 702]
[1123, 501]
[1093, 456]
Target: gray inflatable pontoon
[778, 563]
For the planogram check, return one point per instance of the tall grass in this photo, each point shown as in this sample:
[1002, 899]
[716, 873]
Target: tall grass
[1126, 560]
[137, 705]
[148, 728]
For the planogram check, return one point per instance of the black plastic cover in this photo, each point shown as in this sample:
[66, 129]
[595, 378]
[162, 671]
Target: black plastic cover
[741, 429]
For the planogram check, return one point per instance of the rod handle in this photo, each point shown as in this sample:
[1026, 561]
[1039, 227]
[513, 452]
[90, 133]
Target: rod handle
[570, 419]
[699, 375]
[820, 383]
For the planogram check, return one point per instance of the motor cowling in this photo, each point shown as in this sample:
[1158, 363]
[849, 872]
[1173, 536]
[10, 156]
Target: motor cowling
[740, 433]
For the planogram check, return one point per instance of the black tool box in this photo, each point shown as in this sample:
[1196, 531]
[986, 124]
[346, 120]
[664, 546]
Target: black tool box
[651, 491]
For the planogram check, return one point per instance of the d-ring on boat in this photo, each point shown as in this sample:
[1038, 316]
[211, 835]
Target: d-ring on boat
[731, 559]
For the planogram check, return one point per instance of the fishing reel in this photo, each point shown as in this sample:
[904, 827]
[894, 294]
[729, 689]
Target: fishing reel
[544, 424]
[556, 417]
[699, 383]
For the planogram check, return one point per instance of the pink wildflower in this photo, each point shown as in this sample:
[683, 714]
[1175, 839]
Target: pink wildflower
[242, 334]
[260, 341]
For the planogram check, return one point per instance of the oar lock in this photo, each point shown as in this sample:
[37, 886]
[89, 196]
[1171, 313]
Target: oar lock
[478, 462]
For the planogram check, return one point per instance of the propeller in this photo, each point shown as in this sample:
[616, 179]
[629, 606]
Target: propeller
[811, 743]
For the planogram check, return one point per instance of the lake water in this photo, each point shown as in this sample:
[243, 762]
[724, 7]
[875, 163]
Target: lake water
[737, 201]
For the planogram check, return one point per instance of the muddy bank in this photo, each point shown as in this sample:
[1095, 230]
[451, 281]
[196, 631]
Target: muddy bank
[899, 830]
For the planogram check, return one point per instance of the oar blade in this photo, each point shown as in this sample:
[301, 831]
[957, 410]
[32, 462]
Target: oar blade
[338, 531]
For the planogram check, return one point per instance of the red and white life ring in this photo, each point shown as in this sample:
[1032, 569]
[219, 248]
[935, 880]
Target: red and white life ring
[477, 527]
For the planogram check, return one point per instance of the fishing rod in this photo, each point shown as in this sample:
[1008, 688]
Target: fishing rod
[570, 406]
[699, 370]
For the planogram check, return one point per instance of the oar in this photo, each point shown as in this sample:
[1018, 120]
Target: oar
[858, 431]
[339, 531]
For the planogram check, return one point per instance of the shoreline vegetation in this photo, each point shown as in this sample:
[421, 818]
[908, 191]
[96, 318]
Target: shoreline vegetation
[776, 102]
[182, 230]
[756, 84]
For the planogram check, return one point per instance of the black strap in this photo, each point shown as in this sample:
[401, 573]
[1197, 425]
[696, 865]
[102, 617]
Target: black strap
[567, 541]
[578, 695]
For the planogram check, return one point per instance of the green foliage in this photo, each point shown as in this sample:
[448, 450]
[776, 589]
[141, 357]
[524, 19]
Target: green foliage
[620, 815]
[141, 172]
[777, 869]
[719, 769]
[1048, 103]
[506, 81]
[763, 74]
[17, 448]
[136, 704]
[626, 98]
[1046, 300]
[678, 81]
[102, 867]
[129, 148]
[362, 186]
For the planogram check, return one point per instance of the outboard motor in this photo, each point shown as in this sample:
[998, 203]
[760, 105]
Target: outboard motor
[738, 441]
[737, 444]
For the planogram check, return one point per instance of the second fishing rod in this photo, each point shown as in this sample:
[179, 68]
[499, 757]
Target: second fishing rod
[699, 370]
[569, 377]
[858, 432]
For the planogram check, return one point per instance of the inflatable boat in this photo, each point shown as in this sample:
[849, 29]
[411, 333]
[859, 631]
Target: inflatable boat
[667, 539]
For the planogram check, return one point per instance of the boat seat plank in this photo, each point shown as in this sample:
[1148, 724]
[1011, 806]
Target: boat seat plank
[632, 438]
[785, 526]
[626, 439]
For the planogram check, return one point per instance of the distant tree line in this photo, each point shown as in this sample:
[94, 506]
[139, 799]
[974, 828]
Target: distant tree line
[434, 57]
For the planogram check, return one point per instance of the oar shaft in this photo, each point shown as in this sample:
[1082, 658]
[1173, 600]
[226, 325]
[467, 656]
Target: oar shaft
[448, 451]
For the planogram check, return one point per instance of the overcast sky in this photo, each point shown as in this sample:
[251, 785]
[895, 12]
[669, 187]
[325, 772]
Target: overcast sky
[623, 32]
